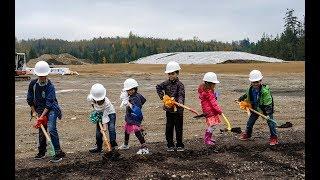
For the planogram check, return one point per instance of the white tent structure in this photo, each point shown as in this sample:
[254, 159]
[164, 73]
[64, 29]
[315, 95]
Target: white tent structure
[212, 57]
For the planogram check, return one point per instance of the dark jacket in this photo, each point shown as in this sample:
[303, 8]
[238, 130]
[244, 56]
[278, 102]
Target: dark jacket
[173, 89]
[42, 97]
[136, 100]
[265, 99]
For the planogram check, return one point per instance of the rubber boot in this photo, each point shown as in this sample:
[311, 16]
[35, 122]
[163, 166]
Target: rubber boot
[207, 138]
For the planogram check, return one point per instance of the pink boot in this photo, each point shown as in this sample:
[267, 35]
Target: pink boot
[207, 138]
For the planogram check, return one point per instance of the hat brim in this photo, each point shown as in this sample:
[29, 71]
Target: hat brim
[253, 80]
[42, 74]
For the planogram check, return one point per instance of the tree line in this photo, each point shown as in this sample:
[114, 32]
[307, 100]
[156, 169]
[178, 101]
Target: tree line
[289, 45]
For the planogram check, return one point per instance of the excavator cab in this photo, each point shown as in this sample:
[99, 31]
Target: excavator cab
[20, 67]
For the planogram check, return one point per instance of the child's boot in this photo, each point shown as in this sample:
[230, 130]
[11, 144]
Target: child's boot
[273, 140]
[207, 138]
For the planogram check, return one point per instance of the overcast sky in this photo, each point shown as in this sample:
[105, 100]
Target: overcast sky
[221, 20]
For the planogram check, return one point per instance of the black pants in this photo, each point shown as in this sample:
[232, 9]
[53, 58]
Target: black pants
[138, 135]
[42, 146]
[174, 121]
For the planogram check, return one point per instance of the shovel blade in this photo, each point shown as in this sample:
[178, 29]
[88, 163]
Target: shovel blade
[236, 130]
[199, 116]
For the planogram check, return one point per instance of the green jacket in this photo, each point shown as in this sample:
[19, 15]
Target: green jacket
[265, 100]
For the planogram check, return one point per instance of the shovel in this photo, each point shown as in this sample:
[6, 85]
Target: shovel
[228, 129]
[258, 113]
[170, 102]
[52, 152]
[106, 144]
[186, 107]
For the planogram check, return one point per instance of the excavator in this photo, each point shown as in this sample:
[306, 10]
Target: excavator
[20, 67]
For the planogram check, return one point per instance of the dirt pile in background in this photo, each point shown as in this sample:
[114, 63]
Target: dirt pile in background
[61, 59]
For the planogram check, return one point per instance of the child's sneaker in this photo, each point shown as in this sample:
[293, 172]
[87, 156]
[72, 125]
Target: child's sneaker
[143, 151]
[95, 150]
[124, 147]
[58, 157]
[40, 156]
[274, 141]
[180, 149]
[244, 137]
[170, 149]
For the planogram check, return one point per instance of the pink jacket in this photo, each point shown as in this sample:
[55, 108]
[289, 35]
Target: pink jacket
[209, 103]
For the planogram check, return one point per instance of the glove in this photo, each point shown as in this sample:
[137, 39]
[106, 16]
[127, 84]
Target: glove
[168, 101]
[39, 121]
[244, 104]
[124, 98]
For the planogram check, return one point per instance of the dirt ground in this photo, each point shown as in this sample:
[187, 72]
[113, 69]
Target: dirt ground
[230, 159]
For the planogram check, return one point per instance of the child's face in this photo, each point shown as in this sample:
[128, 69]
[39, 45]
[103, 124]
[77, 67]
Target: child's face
[99, 102]
[130, 91]
[42, 79]
[256, 84]
[172, 76]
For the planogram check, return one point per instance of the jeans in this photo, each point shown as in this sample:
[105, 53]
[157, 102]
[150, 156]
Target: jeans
[53, 132]
[174, 121]
[112, 132]
[252, 119]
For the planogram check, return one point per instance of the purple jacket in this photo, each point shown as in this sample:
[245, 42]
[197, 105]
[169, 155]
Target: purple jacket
[173, 89]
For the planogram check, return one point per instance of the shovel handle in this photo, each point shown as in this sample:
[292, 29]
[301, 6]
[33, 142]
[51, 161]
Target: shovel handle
[186, 107]
[45, 133]
[105, 137]
[227, 121]
[262, 115]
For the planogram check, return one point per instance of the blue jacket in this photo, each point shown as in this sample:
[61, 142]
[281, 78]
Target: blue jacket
[42, 97]
[136, 100]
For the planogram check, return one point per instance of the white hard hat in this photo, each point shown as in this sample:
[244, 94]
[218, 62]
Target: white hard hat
[98, 92]
[255, 75]
[210, 77]
[42, 68]
[172, 66]
[129, 84]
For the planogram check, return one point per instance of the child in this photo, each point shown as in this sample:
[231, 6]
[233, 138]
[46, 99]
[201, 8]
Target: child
[209, 105]
[102, 104]
[173, 87]
[260, 97]
[42, 99]
[133, 102]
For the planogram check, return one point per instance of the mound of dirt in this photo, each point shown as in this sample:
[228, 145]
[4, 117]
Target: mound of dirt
[61, 59]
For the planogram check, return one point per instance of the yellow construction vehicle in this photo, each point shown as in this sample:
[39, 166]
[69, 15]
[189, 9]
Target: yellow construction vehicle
[20, 67]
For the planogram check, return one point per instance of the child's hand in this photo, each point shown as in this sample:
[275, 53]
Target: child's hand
[34, 114]
[129, 104]
[104, 128]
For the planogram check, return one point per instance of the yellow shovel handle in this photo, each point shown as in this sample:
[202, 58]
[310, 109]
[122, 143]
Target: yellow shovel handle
[227, 121]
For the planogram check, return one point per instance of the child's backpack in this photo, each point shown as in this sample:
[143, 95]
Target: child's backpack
[137, 114]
